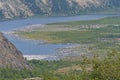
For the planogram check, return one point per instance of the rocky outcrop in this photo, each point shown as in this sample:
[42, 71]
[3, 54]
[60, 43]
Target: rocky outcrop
[24, 8]
[10, 57]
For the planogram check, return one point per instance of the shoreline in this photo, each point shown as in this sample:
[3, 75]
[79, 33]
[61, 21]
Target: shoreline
[41, 57]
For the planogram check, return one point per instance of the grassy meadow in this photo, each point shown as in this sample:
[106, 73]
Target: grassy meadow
[101, 35]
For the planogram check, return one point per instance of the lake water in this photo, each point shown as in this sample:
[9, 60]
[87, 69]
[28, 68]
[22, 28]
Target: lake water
[29, 47]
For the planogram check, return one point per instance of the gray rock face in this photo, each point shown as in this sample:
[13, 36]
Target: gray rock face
[13, 8]
[10, 57]
[24, 8]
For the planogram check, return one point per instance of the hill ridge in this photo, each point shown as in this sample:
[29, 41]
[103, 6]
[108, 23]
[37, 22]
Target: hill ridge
[10, 9]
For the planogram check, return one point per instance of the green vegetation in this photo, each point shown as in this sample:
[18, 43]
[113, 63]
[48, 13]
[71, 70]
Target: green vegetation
[108, 20]
[63, 36]
[91, 68]
[85, 30]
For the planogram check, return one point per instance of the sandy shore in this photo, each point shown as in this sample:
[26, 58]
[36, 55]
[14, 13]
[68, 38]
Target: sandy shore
[40, 57]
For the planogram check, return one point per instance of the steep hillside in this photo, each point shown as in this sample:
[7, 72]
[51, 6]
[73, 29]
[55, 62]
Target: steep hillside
[13, 8]
[10, 57]
[23, 8]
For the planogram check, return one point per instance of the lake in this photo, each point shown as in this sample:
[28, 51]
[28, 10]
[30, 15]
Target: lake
[33, 47]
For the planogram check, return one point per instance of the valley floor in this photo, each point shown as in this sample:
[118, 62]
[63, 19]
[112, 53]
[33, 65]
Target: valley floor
[95, 57]
[92, 37]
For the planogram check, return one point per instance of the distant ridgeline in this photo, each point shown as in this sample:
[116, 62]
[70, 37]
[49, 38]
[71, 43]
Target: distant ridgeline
[10, 9]
[10, 57]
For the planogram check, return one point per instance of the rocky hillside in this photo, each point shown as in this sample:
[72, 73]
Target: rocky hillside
[23, 8]
[10, 57]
